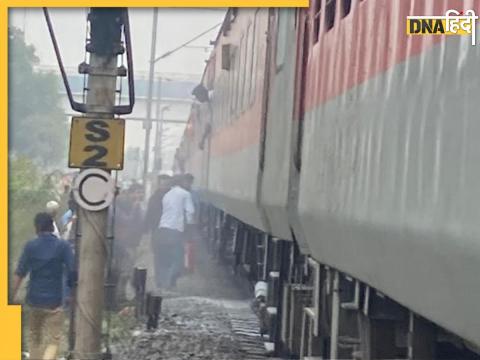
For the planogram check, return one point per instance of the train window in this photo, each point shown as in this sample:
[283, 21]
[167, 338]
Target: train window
[317, 15]
[281, 36]
[248, 68]
[347, 5]
[254, 56]
[330, 9]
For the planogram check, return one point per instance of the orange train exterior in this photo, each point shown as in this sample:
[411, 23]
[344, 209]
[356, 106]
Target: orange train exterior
[333, 127]
[235, 114]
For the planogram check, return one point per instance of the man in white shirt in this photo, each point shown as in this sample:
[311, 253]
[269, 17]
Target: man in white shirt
[52, 208]
[177, 215]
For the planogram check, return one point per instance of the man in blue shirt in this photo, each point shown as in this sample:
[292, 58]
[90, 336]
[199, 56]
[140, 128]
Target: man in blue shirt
[45, 259]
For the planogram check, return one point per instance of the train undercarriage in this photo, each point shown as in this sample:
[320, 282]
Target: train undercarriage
[308, 310]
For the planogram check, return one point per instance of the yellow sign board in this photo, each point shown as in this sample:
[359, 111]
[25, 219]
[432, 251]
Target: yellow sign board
[96, 143]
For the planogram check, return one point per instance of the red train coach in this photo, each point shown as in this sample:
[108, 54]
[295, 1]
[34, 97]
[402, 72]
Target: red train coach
[235, 72]
[343, 153]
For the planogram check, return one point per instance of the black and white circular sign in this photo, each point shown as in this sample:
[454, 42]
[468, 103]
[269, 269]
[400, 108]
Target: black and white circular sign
[94, 189]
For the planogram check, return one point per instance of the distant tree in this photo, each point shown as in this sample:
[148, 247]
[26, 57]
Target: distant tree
[29, 191]
[37, 123]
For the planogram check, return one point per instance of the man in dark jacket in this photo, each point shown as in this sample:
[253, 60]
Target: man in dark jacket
[152, 220]
[45, 258]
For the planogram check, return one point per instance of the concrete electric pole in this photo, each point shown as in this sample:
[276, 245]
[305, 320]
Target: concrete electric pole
[105, 41]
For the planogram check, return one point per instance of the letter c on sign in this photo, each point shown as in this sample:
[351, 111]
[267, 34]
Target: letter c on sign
[94, 189]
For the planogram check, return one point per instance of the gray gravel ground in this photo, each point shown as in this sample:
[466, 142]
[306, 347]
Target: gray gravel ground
[189, 328]
[195, 322]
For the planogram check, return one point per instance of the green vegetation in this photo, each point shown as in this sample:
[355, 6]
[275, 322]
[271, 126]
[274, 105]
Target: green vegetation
[37, 123]
[37, 139]
[29, 191]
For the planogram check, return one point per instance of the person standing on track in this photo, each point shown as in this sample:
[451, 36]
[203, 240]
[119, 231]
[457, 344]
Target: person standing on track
[45, 258]
[177, 214]
[151, 225]
[154, 207]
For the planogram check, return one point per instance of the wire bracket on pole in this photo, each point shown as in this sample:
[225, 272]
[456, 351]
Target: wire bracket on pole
[81, 107]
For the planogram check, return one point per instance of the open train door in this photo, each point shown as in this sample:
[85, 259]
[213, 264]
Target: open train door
[303, 53]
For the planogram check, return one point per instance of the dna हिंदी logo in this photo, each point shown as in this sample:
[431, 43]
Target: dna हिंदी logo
[452, 23]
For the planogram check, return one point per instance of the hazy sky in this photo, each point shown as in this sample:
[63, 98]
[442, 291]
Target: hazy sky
[175, 26]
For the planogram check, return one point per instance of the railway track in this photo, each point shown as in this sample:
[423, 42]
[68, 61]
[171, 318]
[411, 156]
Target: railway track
[245, 329]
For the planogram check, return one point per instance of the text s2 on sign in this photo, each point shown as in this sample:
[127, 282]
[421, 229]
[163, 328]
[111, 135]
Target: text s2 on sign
[96, 143]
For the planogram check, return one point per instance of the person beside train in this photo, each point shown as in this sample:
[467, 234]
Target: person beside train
[46, 259]
[151, 225]
[154, 207]
[176, 220]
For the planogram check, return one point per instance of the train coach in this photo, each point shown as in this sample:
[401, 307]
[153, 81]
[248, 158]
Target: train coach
[337, 161]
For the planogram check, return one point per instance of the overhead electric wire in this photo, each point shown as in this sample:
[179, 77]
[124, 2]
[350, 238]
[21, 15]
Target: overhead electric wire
[168, 53]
